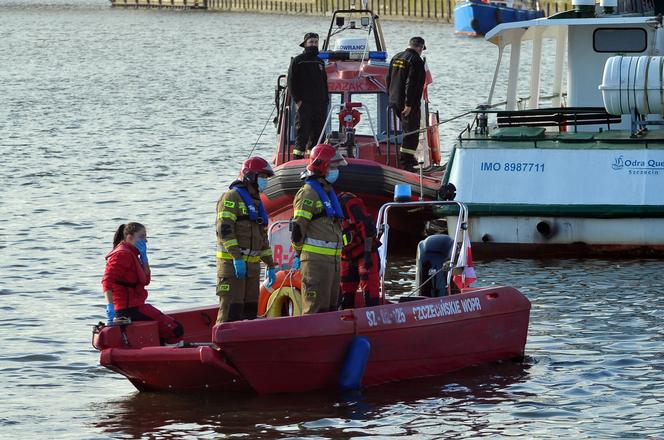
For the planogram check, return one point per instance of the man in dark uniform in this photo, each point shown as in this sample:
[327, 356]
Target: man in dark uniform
[405, 83]
[307, 84]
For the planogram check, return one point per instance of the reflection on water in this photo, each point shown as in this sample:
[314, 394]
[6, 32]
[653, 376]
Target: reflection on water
[412, 407]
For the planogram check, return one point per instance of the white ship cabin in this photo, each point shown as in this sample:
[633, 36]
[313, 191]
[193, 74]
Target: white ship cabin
[614, 76]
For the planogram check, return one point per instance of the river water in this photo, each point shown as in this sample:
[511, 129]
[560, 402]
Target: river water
[108, 115]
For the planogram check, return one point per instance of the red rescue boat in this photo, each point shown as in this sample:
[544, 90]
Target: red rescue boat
[409, 337]
[361, 124]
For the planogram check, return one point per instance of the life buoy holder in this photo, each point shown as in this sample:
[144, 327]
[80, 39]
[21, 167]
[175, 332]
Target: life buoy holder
[280, 299]
[433, 138]
[349, 117]
[285, 278]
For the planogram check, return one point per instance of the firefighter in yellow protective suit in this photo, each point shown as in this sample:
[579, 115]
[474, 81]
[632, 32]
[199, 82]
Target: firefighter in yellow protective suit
[242, 243]
[316, 231]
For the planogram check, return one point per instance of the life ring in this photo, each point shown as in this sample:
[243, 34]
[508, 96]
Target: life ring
[280, 299]
[433, 138]
[285, 278]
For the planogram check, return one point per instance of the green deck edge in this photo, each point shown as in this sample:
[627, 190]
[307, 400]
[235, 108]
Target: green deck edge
[589, 211]
[606, 140]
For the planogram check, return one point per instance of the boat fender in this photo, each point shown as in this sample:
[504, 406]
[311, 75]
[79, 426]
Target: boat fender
[433, 138]
[280, 299]
[355, 363]
[284, 278]
[547, 229]
[447, 191]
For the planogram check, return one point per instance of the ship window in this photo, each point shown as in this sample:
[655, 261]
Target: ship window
[620, 40]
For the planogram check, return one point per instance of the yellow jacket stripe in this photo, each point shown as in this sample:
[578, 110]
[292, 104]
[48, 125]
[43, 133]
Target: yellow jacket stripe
[227, 214]
[230, 243]
[303, 213]
[247, 258]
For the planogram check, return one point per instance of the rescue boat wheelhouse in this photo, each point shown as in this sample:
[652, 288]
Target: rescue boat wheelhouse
[359, 123]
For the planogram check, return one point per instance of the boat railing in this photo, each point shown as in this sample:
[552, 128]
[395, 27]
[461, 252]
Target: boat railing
[383, 227]
[338, 108]
[564, 118]
[368, 21]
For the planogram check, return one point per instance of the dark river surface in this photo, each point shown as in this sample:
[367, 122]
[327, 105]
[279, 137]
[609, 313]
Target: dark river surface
[108, 115]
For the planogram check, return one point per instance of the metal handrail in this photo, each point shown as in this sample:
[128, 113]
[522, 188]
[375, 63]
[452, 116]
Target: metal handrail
[272, 225]
[270, 232]
[382, 225]
[328, 119]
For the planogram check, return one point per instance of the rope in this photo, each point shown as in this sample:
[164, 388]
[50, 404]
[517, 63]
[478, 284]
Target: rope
[289, 276]
[421, 130]
[269, 118]
[429, 279]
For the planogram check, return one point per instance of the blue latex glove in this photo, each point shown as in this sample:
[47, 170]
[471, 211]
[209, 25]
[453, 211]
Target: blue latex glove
[142, 246]
[271, 277]
[296, 263]
[240, 268]
[110, 313]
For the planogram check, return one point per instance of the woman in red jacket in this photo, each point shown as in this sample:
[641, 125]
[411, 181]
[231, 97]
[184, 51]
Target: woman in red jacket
[126, 275]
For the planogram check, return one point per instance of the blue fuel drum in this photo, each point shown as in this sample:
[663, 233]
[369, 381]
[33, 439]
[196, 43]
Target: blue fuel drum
[355, 363]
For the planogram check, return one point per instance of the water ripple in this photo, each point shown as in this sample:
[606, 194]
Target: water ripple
[113, 115]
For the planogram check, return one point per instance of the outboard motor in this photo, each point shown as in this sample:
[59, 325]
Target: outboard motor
[432, 254]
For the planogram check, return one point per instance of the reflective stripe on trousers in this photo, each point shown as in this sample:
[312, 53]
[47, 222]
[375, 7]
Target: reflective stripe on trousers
[248, 258]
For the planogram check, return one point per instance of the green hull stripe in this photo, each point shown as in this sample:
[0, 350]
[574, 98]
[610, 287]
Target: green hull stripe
[591, 211]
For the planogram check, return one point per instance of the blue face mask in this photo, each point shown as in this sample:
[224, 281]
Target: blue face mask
[332, 176]
[261, 182]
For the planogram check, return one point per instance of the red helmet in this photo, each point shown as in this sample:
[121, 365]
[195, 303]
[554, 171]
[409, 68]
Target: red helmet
[254, 166]
[321, 157]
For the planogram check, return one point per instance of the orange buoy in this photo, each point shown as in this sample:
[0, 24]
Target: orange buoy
[285, 278]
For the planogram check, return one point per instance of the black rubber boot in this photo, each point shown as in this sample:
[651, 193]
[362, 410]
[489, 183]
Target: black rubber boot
[370, 302]
[235, 312]
[250, 310]
[347, 301]
[408, 163]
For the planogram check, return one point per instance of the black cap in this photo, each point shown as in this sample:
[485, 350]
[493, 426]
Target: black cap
[418, 41]
[310, 35]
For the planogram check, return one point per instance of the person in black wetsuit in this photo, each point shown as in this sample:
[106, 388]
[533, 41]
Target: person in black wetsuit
[405, 83]
[307, 84]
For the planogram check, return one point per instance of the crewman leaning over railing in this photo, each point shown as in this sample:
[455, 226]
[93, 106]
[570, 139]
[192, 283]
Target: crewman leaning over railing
[316, 231]
[242, 243]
